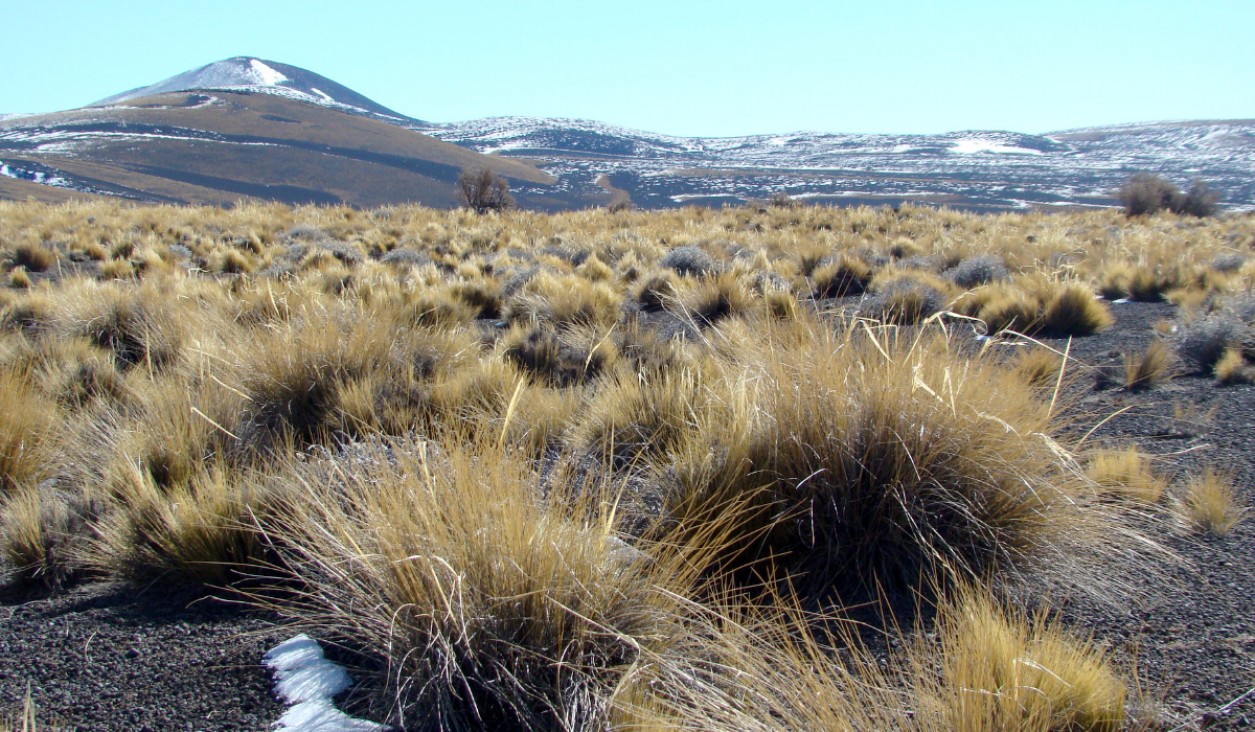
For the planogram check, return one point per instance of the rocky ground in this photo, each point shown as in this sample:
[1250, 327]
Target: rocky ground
[113, 657]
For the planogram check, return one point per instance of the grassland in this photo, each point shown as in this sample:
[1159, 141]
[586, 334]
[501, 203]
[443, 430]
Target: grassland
[798, 468]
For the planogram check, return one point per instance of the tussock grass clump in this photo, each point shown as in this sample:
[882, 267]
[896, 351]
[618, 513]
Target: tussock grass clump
[714, 299]
[200, 532]
[841, 278]
[27, 438]
[1001, 672]
[138, 326]
[635, 416]
[564, 300]
[1211, 503]
[33, 257]
[657, 292]
[42, 531]
[1233, 368]
[558, 358]
[1073, 310]
[870, 460]
[981, 666]
[482, 604]
[1041, 368]
[1152, 367]
[1126, 473]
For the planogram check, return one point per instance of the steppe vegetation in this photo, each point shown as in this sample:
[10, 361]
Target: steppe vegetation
[758, 468]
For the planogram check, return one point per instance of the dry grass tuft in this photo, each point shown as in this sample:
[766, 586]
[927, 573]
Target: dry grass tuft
[1126, 473]
[1232, 368]
[1000, 672]
[27, 421]
[487, 604]
[1073, 310]
[1152, 367]
[1210, 502]
[202, 532]
[870, 460]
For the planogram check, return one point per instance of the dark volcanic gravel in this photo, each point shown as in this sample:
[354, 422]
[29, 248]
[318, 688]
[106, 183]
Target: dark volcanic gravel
[112, 657]
[109, 657]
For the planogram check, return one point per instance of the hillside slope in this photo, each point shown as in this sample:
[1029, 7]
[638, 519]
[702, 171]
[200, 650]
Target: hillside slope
[221, 146]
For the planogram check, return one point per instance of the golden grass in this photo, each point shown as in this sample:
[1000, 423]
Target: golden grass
[518, 461]
[490, 596]
[1210, 502]
[1002, 672]
[1126, 472]
[1152, 367]
[865, 459]
[27, 419]
[1232, 368]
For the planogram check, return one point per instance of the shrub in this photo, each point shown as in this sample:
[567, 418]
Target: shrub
[1200, 200]
[1204, 341]
[688, 260]
[903, 300]
[483, 190]
[979, 270]
[1146, 193]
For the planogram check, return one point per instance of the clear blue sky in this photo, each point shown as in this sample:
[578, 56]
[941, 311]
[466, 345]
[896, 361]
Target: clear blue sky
[717, 68]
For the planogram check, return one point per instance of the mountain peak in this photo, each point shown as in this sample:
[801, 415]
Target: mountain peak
[252, 74]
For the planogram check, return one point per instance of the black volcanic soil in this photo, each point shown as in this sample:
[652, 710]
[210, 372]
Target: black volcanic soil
[111, 657]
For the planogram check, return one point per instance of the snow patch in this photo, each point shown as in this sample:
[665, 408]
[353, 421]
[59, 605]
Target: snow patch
[307, 681]
[976, 145]
[321, 93]
[265, 75]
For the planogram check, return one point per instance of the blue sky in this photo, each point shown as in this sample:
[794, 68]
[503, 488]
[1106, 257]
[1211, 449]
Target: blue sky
[725, 68]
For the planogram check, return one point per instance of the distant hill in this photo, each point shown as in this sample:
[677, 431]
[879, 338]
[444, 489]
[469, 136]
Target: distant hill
[247, 128]
[244, 73]
[276, 139]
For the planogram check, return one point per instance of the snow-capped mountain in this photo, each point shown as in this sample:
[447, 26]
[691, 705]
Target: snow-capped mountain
[250, 127]
[249, 74]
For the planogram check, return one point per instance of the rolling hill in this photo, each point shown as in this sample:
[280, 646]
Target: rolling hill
[246, 128]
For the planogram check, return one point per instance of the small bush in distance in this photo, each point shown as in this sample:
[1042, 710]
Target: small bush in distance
[483, 190]
[1146, 193]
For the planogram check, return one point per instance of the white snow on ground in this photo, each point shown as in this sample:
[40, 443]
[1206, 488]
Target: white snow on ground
[265, 75]
[321, 93]
[306, 680]
[969, 146]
